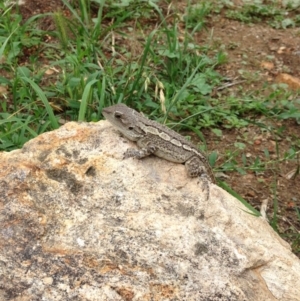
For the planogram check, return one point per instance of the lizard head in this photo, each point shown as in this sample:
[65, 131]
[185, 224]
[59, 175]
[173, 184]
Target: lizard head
[125, 120]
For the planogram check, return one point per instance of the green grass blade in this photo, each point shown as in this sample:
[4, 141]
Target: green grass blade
[141, 67]
[44, 99]
[85, 99]
[5, 43]
[186, 84]
[236, 195]
[102, 96]
[73, 11]
[21, 124]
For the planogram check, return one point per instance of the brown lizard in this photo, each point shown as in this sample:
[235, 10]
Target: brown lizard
[159, 140]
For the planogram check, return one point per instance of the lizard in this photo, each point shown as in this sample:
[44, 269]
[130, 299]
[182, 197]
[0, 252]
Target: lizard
[159, 140]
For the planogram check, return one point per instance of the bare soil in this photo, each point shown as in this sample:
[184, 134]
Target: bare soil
[261, 52]
[249, 49]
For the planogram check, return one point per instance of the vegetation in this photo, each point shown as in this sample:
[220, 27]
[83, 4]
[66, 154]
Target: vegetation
[105, 52]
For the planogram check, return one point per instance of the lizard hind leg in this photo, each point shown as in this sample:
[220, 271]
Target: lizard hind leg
[196, 168]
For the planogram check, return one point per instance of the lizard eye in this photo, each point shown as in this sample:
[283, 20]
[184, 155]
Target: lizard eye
[118, 115]
[130, 128]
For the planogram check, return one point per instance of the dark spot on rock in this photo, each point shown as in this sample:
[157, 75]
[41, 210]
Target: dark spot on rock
[75, 187]
[64, 151]
[82, 161]
[91, 171]
[4, 189]
[115, 221]
[122, 254]
[42, 186]
[57, 174]
[30, 250]
[185, 210]
[201, 215]
[200, 249]
[42, 156]
[126, 293]
[60, 175]
[165, 197]
[75, 154]
[116, 200]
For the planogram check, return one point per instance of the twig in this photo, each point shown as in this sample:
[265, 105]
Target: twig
[230, 85]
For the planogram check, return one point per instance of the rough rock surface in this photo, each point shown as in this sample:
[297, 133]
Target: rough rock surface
[79, 223]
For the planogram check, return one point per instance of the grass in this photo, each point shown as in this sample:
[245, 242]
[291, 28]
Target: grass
[271, 12]
[107, 52]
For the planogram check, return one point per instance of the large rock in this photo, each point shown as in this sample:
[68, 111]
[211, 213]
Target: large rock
[80, 223]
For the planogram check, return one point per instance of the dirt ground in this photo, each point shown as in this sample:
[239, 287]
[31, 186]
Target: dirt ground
[249, 48]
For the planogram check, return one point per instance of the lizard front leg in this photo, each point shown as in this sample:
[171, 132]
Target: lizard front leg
[145, 151]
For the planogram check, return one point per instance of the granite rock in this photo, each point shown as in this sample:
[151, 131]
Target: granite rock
[80, 223]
